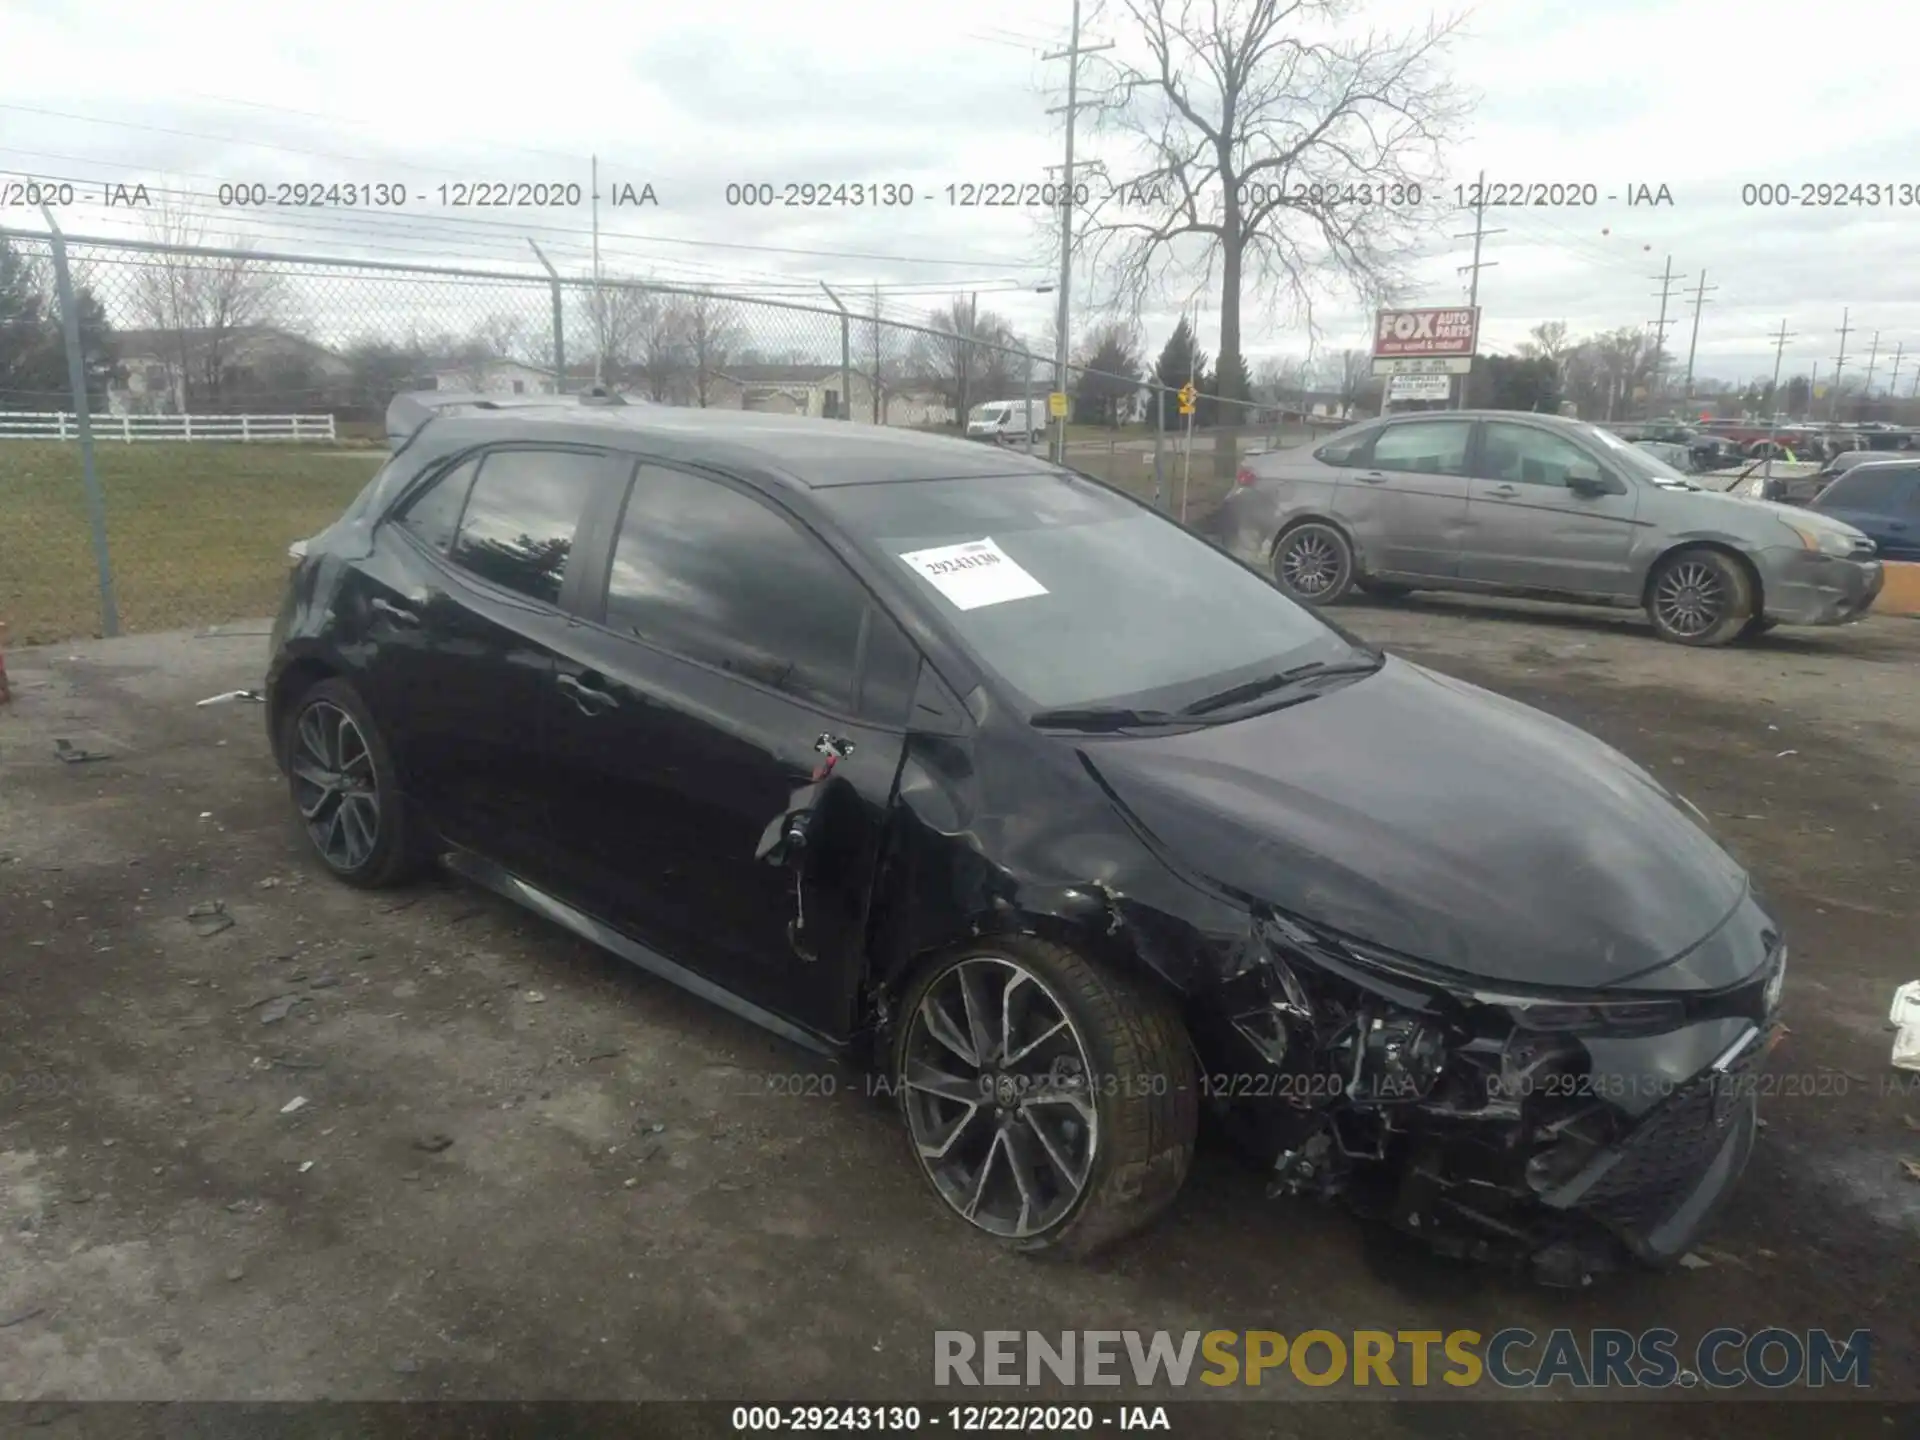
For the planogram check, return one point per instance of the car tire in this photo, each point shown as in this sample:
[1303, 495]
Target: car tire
[345, 789]
[1757, 626]
[1099, 1164]
[1313, 563]
[1699, 597]
[1383, 589]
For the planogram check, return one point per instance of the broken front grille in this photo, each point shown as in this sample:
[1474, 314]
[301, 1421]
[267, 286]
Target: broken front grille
[1663, 1159]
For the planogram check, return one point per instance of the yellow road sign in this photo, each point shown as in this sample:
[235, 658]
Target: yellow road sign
[1057, 404]
[1187, 394]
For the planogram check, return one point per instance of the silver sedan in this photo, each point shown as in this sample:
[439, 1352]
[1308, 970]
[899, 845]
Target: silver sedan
[1513, 503]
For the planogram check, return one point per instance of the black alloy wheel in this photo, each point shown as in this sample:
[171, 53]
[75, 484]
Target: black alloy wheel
[1313, 562]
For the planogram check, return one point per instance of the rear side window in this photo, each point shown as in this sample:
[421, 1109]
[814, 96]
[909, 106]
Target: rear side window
[518, 528]
[433, 515]
[1878, 488]
[1424, 447]
[716, 576]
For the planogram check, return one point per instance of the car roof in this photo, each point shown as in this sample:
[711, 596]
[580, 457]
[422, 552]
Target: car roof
[795, 450]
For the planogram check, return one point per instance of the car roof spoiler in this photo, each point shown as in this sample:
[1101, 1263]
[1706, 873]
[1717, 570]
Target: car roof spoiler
[408, 412]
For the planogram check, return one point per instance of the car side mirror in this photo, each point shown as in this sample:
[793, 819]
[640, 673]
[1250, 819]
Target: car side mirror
[1588, 482]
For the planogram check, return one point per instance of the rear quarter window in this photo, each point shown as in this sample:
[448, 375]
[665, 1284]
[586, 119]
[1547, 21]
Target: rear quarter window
[1344, 449]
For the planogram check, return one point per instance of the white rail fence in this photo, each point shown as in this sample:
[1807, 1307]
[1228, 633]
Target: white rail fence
[64, 425]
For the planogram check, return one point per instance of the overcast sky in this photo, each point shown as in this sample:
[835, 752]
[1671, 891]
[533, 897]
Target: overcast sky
[1702, 97]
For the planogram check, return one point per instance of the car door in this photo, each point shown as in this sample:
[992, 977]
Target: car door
[1404, 499]
[1881, 501]
[1528, 528]
[465, 627]
[729, 650]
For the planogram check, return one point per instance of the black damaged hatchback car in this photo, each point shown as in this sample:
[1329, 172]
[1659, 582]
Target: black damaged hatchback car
[1070, 826]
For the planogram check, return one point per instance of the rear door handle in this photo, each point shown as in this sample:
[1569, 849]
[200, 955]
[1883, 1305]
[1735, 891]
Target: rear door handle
[590, 698]
[399, 614]
[1505, 490]
[1372, 477]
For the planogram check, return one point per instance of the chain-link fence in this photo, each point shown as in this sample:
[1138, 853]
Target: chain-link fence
[129, 533]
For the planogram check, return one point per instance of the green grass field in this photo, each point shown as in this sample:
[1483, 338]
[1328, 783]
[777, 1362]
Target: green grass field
[197, 534]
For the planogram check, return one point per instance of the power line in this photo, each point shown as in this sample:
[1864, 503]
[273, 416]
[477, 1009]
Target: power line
[1071, 109]
[1660, 329]
[1700, 301]
[1480, 232]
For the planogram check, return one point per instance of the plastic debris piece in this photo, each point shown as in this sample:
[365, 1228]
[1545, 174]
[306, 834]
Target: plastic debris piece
[1906, 1014]
[74, 755]
[299, 1102]
[227, 697]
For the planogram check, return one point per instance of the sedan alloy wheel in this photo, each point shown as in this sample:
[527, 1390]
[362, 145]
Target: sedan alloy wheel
[335, 785]
[998, 1097]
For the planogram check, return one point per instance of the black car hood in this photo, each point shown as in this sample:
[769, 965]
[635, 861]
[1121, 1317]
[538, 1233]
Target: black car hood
[1439, 820]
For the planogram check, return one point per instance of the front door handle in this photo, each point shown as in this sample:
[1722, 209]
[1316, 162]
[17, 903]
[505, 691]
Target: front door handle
[399, 614]
[1506, 490]
[1372, 477]
[590, 699]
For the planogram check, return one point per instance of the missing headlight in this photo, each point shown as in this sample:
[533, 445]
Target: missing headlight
[1393, 1058]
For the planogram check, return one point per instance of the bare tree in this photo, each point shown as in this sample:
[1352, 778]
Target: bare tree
[880, 357]
[1280, 379]
[1272, 151]
[1349, 375]
[712, 333]
[202, 304]
[1545, 341]
[1600, 374]
[969, 359]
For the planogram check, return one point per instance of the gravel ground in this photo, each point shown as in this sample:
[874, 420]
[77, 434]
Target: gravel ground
[521, 1169]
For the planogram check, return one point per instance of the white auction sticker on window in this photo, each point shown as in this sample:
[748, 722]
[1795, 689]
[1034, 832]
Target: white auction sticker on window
[976, 573]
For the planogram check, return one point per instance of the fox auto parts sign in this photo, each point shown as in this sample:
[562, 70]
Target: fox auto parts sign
[1425, 334]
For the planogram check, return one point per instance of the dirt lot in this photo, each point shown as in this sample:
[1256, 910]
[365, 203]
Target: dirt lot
[524, 1170]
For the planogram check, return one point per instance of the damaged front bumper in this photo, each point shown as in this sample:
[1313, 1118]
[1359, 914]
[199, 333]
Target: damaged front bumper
[1567, 1136]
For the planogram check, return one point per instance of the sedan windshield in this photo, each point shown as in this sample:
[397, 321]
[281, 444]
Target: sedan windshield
[1633, 459]
[1079, 599]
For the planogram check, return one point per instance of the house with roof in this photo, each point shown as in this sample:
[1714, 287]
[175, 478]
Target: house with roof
[210, 370]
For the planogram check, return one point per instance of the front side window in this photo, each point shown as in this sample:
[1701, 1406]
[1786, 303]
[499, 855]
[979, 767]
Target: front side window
[1074, 596]
[717, 576]
[1523, 455]
[1426, 447]
[520, 519]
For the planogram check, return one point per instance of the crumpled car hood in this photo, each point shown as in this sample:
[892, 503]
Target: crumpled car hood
[1439, 820]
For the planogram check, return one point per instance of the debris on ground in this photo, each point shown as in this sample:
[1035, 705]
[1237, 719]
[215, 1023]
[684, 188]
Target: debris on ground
[273, 1011]
[323, 982]
[207, 907]
[305, 1165]
[210, 917]
[236, 1272]
[270, 883]
[1692, 1261]
[1906, 1014]
[1912, 1167]
[299, 1102]
[534, 997]
[22, 1317]
[227, 697]
[433, 1144]
[74, 755]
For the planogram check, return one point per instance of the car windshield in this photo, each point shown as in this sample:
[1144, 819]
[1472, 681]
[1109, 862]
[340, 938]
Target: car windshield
[1636, 461]
[1077, 598]
[989, 412]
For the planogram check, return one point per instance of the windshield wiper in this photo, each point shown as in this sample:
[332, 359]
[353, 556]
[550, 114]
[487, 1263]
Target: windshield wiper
[1279, 680]
[1102, 718]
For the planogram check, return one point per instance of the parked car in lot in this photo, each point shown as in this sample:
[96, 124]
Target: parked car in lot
[1801, 489]
[879, 740]
[1512, 503]
[1881, 499]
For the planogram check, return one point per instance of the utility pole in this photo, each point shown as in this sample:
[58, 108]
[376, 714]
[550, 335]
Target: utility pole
[1071, 109]
[1773, 407]
[1839, 364]
[1480, 232]
[599, 301]
[1893, 381]
[1699, 300]
[1873, 353]
[1660, 334]
[966, 357]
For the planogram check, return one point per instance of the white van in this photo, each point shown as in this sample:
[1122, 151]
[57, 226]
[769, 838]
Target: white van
[1008, 420]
